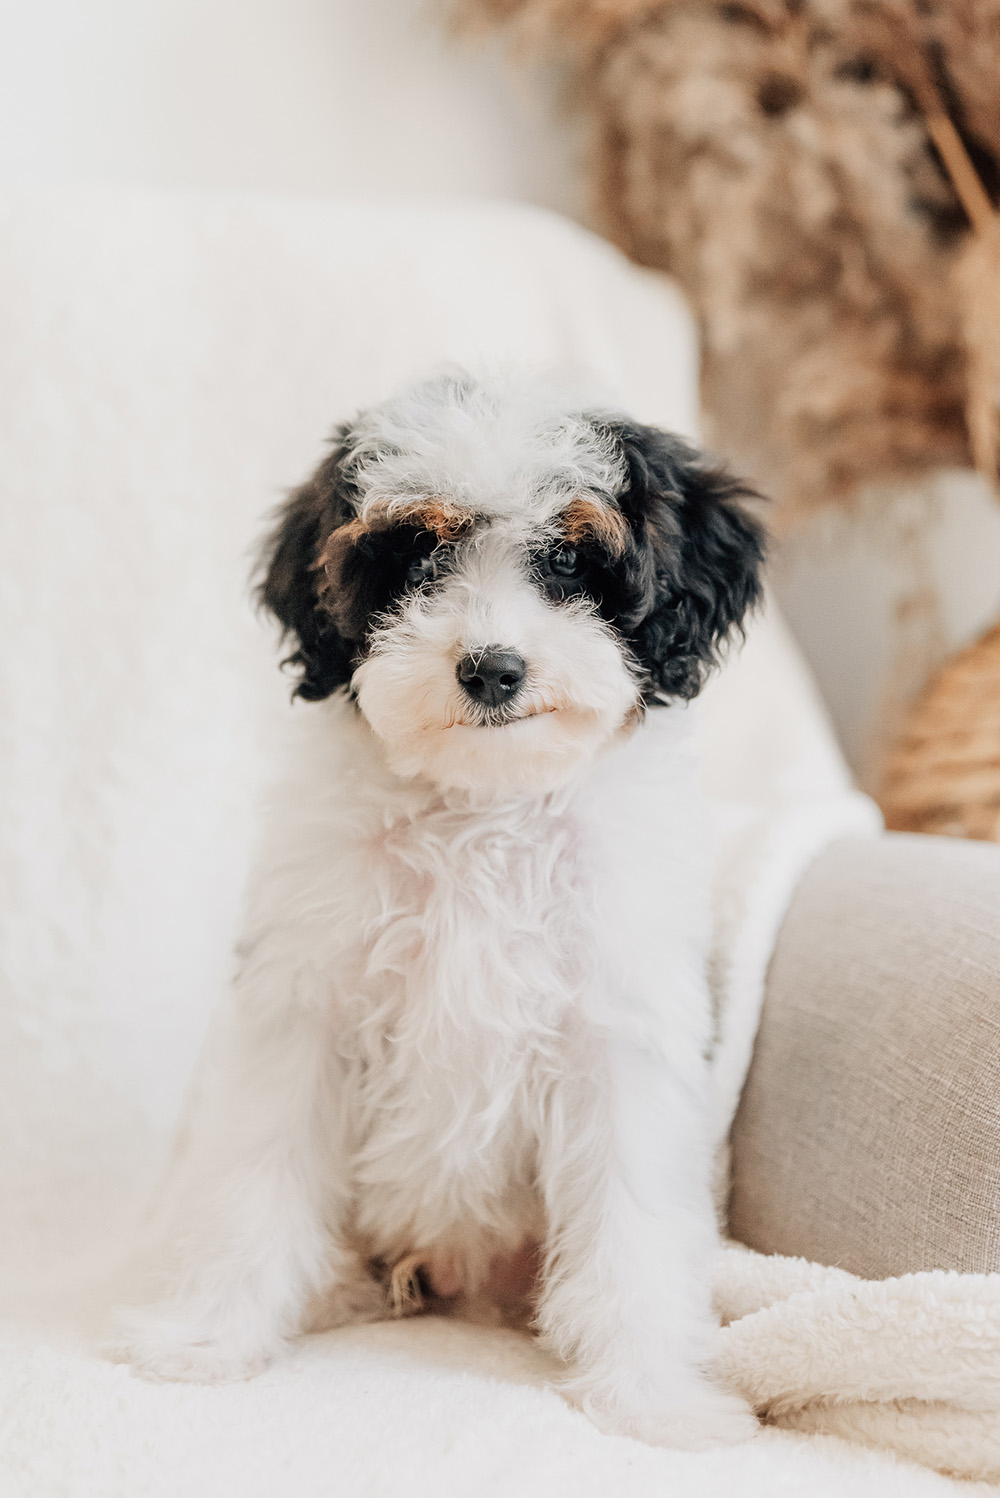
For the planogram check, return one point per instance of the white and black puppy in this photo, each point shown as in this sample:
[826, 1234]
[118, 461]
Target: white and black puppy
[469, 1035]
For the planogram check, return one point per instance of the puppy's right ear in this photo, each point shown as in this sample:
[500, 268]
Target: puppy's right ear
[293, 578]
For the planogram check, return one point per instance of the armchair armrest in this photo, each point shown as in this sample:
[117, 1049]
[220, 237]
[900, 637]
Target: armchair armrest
[868, 1133]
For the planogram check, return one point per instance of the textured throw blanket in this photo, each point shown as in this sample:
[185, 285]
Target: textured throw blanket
[431, 1406]
[910, 1364]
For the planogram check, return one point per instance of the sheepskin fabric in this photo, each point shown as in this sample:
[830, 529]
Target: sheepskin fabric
[776, 158]
[168, 364]
[911, 1364]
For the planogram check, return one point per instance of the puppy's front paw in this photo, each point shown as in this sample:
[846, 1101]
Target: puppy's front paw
[699, 1420]
[165, 1350]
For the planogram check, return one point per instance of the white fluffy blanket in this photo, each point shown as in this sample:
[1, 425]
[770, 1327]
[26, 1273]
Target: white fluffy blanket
[909, 1364]
[423, 1408]
[166, 366]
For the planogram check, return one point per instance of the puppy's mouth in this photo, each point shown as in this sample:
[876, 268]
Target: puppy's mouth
[501, 717]
[503, 720]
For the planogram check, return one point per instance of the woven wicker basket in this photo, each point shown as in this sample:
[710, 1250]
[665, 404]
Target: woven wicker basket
[944, 774]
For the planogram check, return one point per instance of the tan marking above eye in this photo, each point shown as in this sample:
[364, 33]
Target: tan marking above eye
[442, 517]
[589, 520]
[447, 521]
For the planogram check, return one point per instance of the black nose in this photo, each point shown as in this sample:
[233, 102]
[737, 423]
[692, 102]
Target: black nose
[492, 675]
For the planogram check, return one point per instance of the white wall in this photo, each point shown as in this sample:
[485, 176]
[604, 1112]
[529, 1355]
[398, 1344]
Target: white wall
[332, 97]
[877, 599]
[300, 96]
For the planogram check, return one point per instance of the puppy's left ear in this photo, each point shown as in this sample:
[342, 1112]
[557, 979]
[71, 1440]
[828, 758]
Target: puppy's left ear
[701, 552]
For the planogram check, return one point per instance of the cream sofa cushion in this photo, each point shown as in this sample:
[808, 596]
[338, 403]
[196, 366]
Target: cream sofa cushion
[868, 1134]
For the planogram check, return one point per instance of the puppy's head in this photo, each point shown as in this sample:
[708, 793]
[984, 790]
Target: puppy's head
[504, 584]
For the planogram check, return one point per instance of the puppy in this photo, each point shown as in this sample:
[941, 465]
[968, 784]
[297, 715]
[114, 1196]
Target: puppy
[470, 1026]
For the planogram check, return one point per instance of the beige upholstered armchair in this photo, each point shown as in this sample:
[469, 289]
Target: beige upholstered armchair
[868, 1132]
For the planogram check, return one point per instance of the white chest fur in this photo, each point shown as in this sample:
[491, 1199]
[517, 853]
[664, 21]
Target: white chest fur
[457, 1028]
[475, 961]
[458, 947]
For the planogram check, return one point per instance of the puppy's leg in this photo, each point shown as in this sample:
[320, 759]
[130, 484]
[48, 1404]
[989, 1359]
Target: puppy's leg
[248, 1234]
[626, 1300]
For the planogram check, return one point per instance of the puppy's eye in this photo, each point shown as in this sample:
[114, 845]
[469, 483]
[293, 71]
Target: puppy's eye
[421, 569]
[415, 553]
[564, 562]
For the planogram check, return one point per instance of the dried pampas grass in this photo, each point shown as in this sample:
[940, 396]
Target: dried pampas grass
[794, 164]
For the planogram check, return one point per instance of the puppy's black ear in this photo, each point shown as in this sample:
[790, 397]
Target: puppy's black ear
[700, 554]
[293, 578]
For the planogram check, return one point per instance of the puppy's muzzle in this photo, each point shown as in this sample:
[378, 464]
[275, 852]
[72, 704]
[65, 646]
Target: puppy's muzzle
[492, 677]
